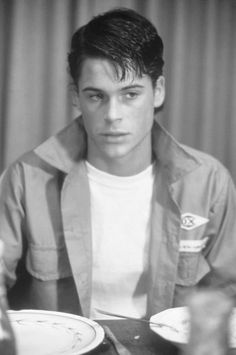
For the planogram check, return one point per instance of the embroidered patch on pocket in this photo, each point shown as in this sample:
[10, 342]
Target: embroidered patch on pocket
[192, 246]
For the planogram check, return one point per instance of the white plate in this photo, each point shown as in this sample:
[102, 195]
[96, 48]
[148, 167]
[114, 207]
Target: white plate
[179, 319]
[54, 333]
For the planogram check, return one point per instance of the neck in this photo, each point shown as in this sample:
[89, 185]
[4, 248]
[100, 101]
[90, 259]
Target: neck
[118, 168]
[122, 166]
[123, 160]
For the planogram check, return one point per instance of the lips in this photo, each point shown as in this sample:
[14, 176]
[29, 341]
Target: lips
[114, 133]
[114, 136]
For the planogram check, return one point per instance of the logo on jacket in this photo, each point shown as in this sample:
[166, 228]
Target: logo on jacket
[190, 221]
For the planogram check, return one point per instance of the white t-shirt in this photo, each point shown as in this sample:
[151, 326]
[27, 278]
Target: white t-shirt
[120, 212]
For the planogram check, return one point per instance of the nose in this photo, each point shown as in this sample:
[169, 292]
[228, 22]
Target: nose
[113, 111]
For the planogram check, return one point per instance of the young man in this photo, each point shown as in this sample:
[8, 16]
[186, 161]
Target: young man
[112, 213]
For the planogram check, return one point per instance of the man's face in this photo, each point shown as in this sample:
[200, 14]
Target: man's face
[117, 115]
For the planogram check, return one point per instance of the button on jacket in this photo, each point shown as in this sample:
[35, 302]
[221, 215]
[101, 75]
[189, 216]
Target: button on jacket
[45, 224]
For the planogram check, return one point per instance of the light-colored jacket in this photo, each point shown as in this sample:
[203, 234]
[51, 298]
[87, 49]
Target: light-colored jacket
[45, 224]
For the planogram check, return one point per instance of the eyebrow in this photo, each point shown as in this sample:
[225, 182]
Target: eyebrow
[128, 87]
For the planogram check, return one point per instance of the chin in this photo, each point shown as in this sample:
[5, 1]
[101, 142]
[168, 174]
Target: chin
[116, 153]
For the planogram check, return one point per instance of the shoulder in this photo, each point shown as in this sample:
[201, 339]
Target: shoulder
[26, 167]
[207, 163]
[51, 155]
[210, 175]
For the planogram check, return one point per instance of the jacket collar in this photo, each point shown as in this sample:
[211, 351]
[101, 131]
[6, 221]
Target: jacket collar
[66, 148]
[174, 158]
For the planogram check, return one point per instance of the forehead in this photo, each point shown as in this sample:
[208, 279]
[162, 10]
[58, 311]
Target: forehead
[101, 72]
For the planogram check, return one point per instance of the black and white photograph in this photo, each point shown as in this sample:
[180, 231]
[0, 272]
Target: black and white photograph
[117, 177]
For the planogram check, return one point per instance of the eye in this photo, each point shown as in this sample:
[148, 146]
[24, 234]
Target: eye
[96, 97]
[131, 95]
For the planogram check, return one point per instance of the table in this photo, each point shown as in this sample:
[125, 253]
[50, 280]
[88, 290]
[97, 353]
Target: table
[137, 338]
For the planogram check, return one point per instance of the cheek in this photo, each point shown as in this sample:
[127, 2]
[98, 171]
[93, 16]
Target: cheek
[146, 106]
[88, 121]
[91, 122]
[145, 117]
[88, 124]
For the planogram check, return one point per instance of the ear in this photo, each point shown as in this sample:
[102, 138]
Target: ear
[76, 100]
[159, 91]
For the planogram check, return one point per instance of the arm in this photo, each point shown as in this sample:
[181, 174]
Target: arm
[11, 220]
[221, 249]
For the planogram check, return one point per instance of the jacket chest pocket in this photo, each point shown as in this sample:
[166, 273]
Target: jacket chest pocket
[192, 267]
[48, 263]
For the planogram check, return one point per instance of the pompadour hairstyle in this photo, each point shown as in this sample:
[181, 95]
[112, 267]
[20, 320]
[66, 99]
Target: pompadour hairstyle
[122, 36]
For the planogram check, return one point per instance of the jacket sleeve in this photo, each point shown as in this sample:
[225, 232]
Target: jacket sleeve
[12, 219]
[221, 249]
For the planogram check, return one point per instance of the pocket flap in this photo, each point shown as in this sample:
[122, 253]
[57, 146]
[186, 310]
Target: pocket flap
[48, 263]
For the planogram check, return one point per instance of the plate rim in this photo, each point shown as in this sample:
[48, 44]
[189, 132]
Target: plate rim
[152, 319]
[99, 331]
[232, 343]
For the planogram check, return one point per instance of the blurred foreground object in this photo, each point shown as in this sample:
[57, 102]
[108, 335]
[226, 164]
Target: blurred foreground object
[209, 323]
[7, 339]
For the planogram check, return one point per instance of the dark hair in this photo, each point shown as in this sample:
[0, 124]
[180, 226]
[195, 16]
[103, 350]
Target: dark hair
[122, 36]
